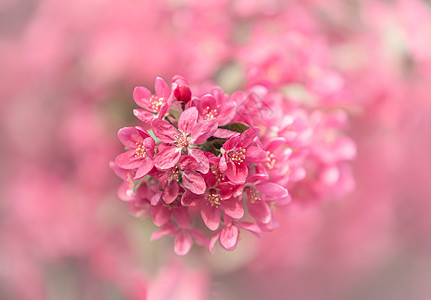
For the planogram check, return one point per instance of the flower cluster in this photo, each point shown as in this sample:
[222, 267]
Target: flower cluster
[205, 166]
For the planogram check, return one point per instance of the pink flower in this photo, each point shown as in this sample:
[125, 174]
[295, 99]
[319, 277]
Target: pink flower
[217, 105]
[183, 237]
[154, 106]
[141, 153]
[229, 234]
[238, 154]
[258, 194]
[181, 89]
[184, 139]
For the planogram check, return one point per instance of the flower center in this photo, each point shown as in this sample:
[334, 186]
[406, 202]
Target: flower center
[270, 160]
[156, 102]
[173, 174]
[218, 174]
[253, 195]
[209, 113]
[214, 198]
[140, 150]
[237, 156]
[181, 140]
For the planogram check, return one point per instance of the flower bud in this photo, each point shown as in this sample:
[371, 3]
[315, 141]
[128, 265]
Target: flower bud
[181, 89]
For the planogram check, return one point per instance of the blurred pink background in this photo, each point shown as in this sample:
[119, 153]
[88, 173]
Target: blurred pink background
[68, 69]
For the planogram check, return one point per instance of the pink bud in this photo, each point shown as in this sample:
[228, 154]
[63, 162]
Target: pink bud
[181, 89]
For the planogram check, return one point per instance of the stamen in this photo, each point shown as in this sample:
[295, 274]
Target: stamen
[218, 174]
[209, 113]
[253, 195]
[214, 198]
[270, 160]
[156, 102]
[237, 156]
[140, 150]
[173, 174]
[181, 140]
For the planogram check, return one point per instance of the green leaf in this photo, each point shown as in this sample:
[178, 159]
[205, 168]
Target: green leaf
[237, 127]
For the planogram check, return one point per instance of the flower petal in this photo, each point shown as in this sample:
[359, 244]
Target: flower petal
[183, 243]
[162, 88]
[233, 208]
[260, 211]
[203, 130]
[143, 170]
[170, 192]
[247, 137]
[141, 95]
[213, 241]
[182, 216]
[167, 158]
[128, 160]
[237, 173]
[202, 159]
[164, 131]
[188, 120]
[229, 237]
[160, 214]
[211, 216]
[271, 191]
[194, 182]
[254, 154]
[144, 115]
[129, 136]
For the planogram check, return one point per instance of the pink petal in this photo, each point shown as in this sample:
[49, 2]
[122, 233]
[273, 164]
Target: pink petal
[213, 241]
[225, 134]
[229, 237]
[211, 216]
[164, 131]
[231, 143]
[194, 182]
[199, 237]
[250, 227]
[190, 199]
[187, 162]
[275, 143]
[227, 113]
[143, 170]
[182, 216]
[129, 136]
[202, 159]
[169, 228]
[271, 191]
[127, 160]
[167, 158]
[161, 215]
[170, 192]
[237, 173]
[183, 243]
[162, 88]
[233, 208]
[223, 164]
[125, 193]
[144, 115]
[141, 95]
[155, 198]
[255, 154]
[203, 130]
[188, 120]
[260, 211]
[247, 137]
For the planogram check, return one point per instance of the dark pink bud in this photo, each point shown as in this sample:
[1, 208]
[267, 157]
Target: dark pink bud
[181, 89]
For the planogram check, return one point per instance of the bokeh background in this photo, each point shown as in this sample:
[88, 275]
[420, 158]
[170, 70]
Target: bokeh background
[67, 72]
